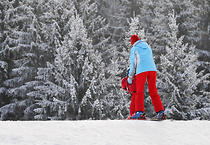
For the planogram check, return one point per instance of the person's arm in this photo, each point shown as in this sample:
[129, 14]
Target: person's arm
[132, 63]
[132, 66]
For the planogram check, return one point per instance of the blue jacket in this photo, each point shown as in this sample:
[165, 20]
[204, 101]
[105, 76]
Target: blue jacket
[141, 58]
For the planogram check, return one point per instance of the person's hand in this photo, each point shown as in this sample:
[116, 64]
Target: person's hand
[129, 81]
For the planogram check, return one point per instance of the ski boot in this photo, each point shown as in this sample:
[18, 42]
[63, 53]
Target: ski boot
[139, 115]
[161, 115]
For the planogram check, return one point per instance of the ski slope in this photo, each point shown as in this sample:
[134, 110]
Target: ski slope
[109, 132]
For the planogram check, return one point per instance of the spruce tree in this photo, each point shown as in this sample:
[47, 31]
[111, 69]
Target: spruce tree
[3, 63]
[69, 81]
[179, 75]
[19, 53]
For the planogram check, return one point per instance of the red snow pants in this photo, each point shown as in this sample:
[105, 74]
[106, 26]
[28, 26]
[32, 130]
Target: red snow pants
[141, 78]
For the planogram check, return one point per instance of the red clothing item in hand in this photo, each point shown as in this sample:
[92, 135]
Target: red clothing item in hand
[131, 88]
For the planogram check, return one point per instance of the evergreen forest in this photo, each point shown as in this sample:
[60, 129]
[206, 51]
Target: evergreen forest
[65, 59]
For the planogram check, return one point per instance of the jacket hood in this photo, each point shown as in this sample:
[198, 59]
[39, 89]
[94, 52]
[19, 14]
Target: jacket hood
[141, 44]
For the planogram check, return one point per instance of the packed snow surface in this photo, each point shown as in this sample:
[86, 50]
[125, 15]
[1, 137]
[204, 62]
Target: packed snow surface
[109, 132]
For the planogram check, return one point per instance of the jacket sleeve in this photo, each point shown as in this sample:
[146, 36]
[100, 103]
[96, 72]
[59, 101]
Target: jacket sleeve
[132, 63]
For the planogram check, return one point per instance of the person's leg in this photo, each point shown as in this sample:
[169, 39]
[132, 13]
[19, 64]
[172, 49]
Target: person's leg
[139, 98]
[132, 104]
[151, 79]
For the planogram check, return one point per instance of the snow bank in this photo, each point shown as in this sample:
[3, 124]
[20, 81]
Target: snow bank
[111, 132]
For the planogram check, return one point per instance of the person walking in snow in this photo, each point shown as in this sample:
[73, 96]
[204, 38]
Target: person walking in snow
[132, 90]
[142, 64]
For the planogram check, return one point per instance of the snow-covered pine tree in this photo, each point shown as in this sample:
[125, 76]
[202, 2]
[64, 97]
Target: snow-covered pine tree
[115, 100]
[3, 63]
[96, 26]
[111, 29]
[45, 106]
[179, 77]
[52, 17]
[68, 90]
[193, 18]
[20, 54]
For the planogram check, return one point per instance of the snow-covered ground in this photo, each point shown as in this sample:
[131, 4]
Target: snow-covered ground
[110, 132]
